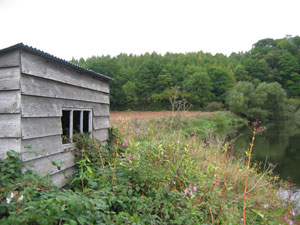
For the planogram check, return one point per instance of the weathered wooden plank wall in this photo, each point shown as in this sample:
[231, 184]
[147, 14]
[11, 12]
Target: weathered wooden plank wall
[8, 144]
[10, 59]
[100, 122]
[36, 86]
[35, 106]
[10, 125]
[101, 134]
[60, 179]
[10, 78]
[41, 67]
[10, 101]
[46, 89]
[40, 147]
[44, 165]
[33, 93]
[40, 127]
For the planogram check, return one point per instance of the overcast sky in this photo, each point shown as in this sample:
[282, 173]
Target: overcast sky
[73, 28]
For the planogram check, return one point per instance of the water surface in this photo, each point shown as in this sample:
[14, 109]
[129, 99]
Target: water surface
[279, 145]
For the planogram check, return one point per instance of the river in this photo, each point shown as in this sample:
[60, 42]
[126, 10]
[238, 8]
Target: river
[278, 145]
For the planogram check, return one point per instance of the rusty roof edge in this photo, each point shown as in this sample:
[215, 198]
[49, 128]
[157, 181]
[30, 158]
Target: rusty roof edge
[55, 59]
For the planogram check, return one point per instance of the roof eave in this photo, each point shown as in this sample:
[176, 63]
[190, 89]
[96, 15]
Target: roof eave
[55, 59]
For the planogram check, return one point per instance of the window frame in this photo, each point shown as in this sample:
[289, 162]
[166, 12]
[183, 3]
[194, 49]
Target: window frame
[71, 111]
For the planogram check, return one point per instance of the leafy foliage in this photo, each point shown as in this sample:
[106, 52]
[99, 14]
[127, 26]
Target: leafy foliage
[144, 82]
[264, 102]
[156, 175]
[214, 106]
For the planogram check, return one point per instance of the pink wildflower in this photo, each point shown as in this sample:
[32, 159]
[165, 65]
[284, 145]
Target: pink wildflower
[191, 193]
[125, 143]
[123, 154]
[195, 188]
[220, 195]
[286, 218]
[131, 156]
[186, 191]
[289, 221]
[223, 202]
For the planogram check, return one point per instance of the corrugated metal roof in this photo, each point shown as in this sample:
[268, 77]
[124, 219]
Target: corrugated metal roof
[55, 59]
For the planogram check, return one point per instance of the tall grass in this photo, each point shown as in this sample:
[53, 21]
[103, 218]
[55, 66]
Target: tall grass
[185, 154]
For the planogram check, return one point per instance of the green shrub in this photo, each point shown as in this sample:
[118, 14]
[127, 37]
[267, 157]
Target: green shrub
[297, 117]
[265, 102]
[214, 106]
[291, 106]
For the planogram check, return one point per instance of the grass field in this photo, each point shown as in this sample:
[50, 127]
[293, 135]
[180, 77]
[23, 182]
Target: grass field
[115, 116]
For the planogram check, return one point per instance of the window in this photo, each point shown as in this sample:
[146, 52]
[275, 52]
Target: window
[75, 121]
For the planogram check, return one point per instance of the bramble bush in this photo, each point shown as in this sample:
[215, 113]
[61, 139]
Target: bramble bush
[150, 173]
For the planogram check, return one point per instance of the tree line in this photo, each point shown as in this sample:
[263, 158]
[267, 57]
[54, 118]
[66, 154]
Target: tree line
[146, 82]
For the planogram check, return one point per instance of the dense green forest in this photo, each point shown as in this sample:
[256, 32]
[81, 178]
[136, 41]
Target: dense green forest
[146, 82]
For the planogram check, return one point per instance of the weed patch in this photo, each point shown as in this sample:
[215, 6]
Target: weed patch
[163, 171]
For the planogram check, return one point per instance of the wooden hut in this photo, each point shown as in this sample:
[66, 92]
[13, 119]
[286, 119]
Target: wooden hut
[44, 101]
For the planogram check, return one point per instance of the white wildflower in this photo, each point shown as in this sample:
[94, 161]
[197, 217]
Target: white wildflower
[8, 200]
[21, 198]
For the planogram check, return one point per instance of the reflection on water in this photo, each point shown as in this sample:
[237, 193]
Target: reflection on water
[279, 145]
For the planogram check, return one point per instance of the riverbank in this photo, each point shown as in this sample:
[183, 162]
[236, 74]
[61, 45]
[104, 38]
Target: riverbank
[278, 146]
[171, 170]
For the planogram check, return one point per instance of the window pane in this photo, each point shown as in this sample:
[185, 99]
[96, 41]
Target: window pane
[76, 121]
[65, 122]
[86, 121]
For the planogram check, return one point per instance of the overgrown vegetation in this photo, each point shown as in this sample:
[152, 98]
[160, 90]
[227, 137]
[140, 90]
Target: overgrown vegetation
[164, 171]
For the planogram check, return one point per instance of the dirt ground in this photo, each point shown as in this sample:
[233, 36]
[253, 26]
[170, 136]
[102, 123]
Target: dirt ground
[114, 116]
